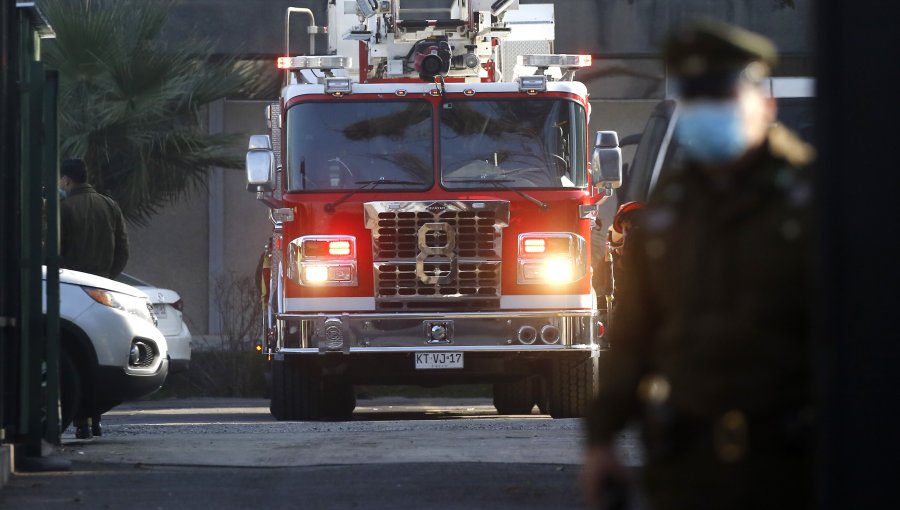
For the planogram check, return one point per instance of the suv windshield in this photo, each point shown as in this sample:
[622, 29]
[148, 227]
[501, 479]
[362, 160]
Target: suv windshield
[342, 146]
[528, 143]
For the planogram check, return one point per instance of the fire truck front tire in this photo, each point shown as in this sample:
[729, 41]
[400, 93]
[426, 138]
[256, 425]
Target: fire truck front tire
[516, 397]
[570, 387]
[298, 396]
[541, 396]
[338, 401]
[293, 395]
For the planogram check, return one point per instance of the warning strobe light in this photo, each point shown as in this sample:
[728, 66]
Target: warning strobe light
[339, 248]
[328, 247]
[533, 83]
[337, 86]
[534, 246]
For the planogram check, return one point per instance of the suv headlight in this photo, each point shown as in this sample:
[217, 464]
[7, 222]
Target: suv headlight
[134, 305]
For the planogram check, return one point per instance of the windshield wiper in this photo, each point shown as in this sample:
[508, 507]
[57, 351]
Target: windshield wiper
[371, 184]
[501, 183]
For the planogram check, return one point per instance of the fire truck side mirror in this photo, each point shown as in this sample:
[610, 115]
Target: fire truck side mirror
[606, 163]
[260, 164]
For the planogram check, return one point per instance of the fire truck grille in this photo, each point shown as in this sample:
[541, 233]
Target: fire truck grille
[398, 234]
[437, 255]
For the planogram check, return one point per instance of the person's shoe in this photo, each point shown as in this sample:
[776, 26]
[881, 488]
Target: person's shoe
[83, 432]
[97, 429]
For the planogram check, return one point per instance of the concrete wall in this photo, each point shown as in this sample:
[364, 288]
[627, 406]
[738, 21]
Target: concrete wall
[637, 27]
[212, 230]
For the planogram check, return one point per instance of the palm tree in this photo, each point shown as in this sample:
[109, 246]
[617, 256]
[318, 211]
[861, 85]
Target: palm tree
[131, 105]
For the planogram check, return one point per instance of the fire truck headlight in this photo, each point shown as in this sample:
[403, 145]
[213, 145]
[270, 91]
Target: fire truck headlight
[323, 260]
[551, 258]
[558, 269]
[553, 270]
[315, 274]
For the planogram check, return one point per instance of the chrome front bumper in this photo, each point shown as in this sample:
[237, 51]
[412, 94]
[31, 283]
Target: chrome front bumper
[498, 331]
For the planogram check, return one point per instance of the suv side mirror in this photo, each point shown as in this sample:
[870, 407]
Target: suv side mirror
[606, 163]
[260, 164]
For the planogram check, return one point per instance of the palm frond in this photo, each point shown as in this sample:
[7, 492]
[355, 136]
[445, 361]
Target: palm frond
[130, 104]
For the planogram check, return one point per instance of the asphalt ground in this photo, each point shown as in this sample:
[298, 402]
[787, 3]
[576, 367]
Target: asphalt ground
[395, 453]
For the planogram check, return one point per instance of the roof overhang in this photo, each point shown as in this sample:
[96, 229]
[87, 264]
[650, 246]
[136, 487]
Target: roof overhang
[38, 19]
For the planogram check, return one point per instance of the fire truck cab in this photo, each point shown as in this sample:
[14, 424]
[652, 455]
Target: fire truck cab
[432, 208]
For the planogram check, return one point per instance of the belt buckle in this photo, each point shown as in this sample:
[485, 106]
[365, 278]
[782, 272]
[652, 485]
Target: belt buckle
[730, 436]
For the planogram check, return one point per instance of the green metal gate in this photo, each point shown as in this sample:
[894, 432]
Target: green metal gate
[29, 233]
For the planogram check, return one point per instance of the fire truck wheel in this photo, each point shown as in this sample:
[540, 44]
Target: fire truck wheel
[294, 395]
[516, 397]
[541, 395]
[339, 401]
[571, 387]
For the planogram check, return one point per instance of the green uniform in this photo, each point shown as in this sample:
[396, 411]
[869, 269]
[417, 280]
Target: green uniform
[93, 235]
[710, 342]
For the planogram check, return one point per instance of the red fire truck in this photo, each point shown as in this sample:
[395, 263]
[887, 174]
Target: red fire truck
[432, 207]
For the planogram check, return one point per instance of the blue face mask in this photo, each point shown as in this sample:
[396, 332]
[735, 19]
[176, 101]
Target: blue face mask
[62, 194]
[711, 132]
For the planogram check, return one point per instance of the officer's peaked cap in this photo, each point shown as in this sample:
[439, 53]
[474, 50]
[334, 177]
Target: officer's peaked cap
[708, 47]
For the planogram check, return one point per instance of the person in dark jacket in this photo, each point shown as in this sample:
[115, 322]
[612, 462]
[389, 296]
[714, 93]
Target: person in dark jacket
[93, 239]
[710, 346]
[93, 234]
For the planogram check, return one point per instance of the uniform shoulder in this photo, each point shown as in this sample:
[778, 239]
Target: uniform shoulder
[785, 145]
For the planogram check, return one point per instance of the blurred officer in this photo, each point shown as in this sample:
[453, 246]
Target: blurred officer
[623, 222]
[710, 342]
[93, 235]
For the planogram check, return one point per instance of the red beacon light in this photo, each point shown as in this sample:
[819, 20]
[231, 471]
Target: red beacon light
[339, 248]
[534, 245]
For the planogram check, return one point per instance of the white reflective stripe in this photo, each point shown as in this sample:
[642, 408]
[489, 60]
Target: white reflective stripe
[546, 301]
[335, 304]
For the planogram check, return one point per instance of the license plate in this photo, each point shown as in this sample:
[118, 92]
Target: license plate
[438, 360]
[160, 311]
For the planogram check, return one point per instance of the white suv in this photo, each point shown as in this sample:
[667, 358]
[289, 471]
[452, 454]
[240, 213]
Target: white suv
[111, 350]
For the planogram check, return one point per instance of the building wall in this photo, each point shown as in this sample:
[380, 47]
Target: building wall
[213, 230]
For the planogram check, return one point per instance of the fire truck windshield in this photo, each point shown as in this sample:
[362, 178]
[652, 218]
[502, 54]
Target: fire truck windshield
[334, 146]
[529, 143]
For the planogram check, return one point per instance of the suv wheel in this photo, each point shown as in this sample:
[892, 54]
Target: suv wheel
[70, 389]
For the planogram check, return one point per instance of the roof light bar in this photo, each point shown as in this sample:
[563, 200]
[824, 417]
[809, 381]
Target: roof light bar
[314, 62]
[563, 61]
